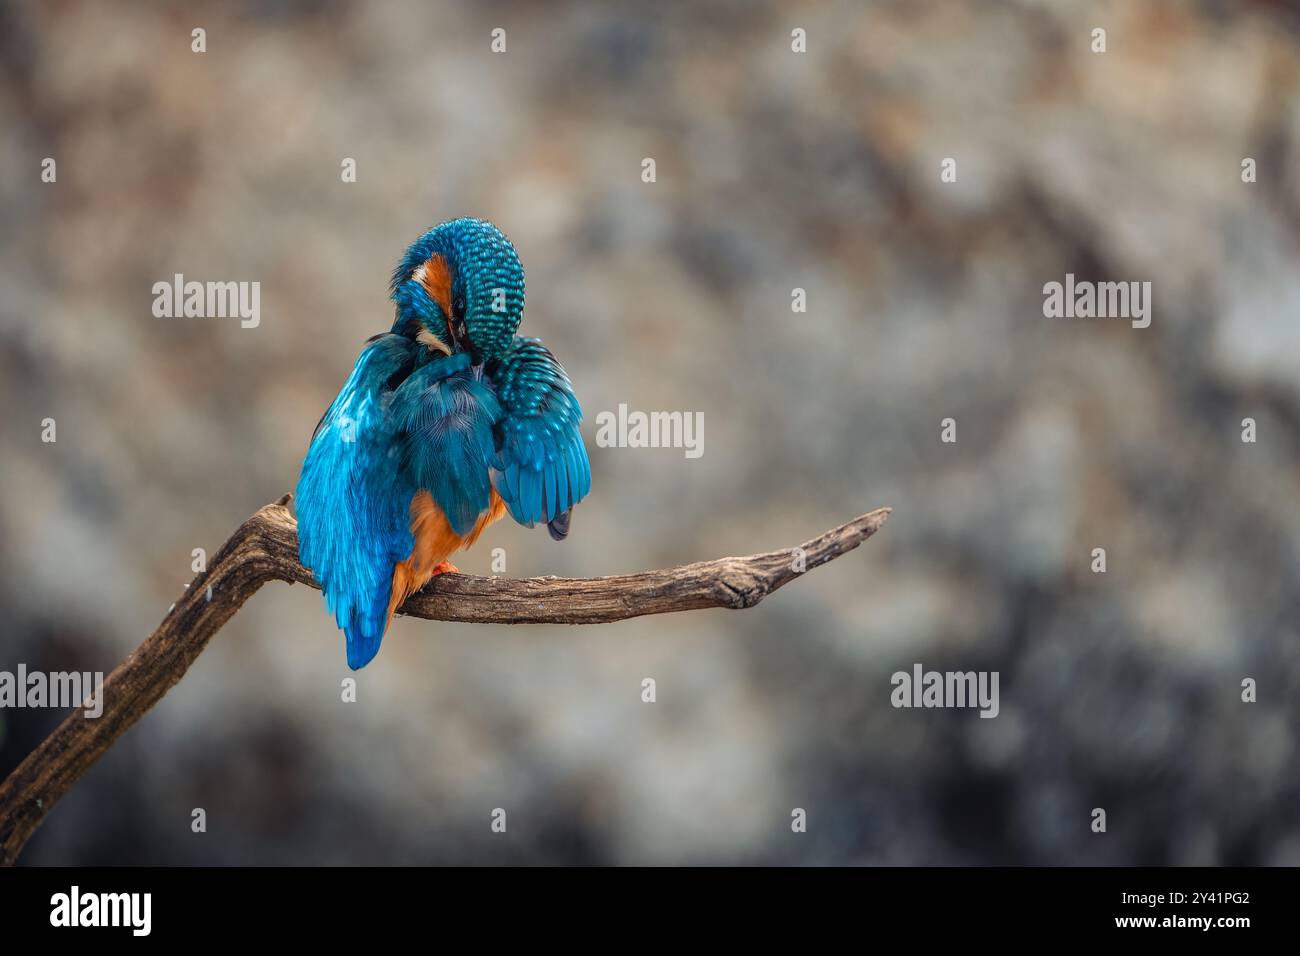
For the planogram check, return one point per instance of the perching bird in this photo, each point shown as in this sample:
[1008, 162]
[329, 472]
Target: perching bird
[447, 421]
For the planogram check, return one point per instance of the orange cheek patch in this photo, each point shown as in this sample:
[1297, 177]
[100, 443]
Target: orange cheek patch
[436, 279]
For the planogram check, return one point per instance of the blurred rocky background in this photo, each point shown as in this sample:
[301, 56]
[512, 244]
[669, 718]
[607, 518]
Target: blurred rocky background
[775, 170]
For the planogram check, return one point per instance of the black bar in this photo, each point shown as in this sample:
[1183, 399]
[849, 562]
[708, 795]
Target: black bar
[302, 905]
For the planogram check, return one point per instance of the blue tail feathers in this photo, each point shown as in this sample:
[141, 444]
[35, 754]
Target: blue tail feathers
[363, 645]
[364, 626]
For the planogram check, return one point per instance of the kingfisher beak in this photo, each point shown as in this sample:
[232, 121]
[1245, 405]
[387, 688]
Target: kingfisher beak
[425, 337]
[459, 337]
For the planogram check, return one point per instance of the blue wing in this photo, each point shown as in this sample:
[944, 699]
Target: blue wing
[354, 498]
[540, 469]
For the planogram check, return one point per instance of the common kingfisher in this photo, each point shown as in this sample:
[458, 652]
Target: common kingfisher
[448, 420]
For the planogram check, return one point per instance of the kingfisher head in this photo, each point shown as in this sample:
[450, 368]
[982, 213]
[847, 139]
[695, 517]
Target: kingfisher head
[460, 288]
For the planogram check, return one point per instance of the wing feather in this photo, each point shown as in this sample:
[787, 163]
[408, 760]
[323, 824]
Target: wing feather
[540, 468]
[353, 505]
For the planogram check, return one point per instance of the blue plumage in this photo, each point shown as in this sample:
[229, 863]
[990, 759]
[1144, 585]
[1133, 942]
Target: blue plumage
[450, 402]
[353, 497]
[540, 468]
[446, 413]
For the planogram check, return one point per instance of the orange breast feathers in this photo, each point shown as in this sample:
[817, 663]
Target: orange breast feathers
[435, 542]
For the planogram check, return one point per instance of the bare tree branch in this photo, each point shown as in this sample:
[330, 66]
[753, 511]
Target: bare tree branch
[265, 548]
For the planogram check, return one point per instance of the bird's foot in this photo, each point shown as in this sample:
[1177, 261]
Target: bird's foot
[445, 568]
